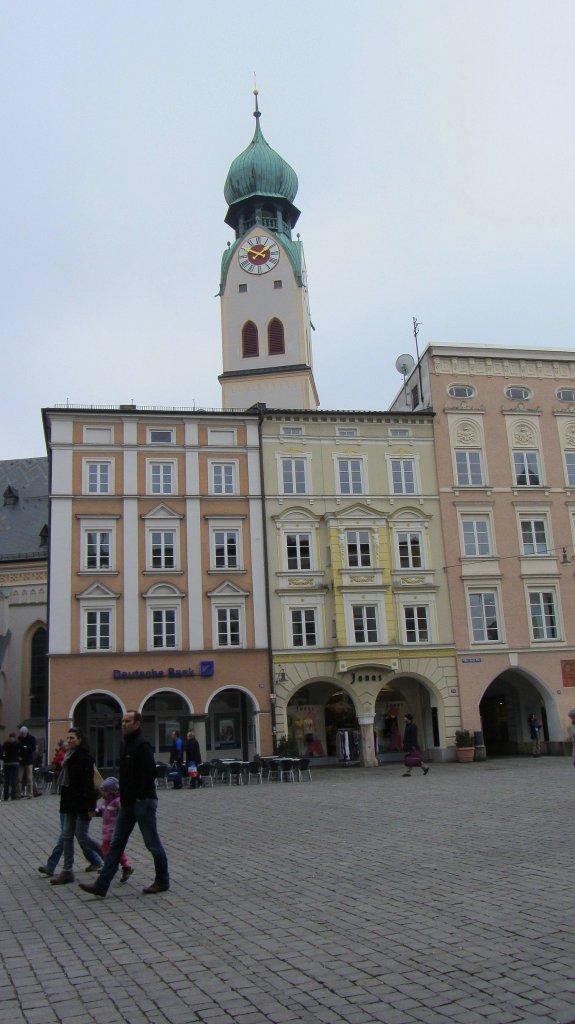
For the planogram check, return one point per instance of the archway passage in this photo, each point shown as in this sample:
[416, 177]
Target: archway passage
[231, 725]
[99, 716]
[162, 714]
[39, 677]
[505, 708]
[317, 713]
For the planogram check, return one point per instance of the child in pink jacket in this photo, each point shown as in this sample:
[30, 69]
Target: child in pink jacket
[107, 810]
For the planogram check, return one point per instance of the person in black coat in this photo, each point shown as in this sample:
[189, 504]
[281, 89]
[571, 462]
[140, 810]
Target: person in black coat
[139, 802]
[411, 745]
[11, 759]
[78, 798]
[193, 754]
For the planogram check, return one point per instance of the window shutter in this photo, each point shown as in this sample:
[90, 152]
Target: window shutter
[276, 343]
[250, 345]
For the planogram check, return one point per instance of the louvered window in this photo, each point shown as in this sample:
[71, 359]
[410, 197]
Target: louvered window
[276, 343]
[249, 340]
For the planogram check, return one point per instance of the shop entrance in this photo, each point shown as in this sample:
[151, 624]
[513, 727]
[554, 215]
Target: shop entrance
[99, 717]
[162, 713]
[505, 708]
[231, 726]
[316, 715]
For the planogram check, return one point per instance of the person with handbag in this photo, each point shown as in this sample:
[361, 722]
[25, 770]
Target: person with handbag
[77, 806]
[413, 755]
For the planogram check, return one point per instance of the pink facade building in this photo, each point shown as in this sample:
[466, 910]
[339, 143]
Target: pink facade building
[505, 450]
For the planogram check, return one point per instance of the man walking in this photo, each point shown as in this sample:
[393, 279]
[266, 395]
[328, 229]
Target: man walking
[27, 749]
[139, 801]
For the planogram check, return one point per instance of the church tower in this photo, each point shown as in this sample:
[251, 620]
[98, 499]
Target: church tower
[266, 326]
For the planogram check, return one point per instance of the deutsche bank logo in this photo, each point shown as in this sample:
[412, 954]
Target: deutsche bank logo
[206, 669]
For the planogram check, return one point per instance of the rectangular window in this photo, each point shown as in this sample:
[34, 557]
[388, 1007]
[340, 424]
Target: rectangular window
[347, 431]
[365, 623]
[292, 431]
[527, 472]
[476, 537]
[161, 436]
[226, 549]
[403, 476]
[534, 537]
[228, 627]
[223, 478]
[98, 477]
[543, 615]
[570, 467]
[416, 624]
[303, 627]
[484, 616]
[410, 550]
[163, 549]
[469, 468]
[98, 630]
[98, 547]
[164, 627]
[298, 550]
[161, 478]
[398, 432]
[293, 476]
[358, 548]
[350, 476]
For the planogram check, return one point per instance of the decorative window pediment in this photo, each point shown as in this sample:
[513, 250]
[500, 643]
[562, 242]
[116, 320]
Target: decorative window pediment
[163, 590]
[162, 512]
[228, 590]
[97, 592]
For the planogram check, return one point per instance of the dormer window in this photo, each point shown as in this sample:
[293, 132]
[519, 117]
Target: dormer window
[10, 496]
[44, 534]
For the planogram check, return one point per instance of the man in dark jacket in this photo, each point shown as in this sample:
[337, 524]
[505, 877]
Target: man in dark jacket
[11, 758]
[193, 756]
[139, 800]
[27, 744]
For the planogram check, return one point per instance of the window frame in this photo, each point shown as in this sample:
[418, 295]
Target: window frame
[87, 531]
[518, 453]
[298, 535]
[357, 471]
[403, 461]
[542, 592]
[466, 455]
[532, 521]
[162, 465]
[169, 440]
[416, 607]
[469, 519]
[569, 458]
[409, 533]
[225, 464]
[223, 616]
[87, 487]
[477, 592]
[306, 613]
[98, 612]
[359, 544]
[284, 460]
[368, 613]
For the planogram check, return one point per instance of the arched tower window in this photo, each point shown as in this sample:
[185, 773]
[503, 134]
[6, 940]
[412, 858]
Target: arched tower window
[39, 674]
[250, 345]
[276, 341]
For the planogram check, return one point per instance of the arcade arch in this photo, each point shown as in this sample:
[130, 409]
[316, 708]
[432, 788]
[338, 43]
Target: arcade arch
[505, 707]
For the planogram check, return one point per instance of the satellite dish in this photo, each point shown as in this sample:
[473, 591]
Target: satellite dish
[404, 364]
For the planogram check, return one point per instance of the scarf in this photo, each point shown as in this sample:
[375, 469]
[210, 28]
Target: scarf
[64, 777]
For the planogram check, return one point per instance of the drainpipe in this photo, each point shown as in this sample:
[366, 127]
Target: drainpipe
[261, 410]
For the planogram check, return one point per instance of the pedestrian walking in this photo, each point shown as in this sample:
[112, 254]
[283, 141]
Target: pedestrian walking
[193, 757]
[77, 806]
[27, 749]
[413, 755]
[138, 806]
[535, 734]
[108, 809]
[11, 762]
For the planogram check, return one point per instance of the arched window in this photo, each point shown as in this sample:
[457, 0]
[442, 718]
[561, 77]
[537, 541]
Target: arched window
[39, 674]
[276, 342]
[250, 345]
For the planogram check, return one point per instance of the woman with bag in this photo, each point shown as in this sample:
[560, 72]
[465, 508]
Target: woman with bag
[413, 755]
[77, 806]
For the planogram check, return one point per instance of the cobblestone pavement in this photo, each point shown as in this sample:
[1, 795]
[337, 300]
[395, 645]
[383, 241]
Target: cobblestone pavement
[359, 897]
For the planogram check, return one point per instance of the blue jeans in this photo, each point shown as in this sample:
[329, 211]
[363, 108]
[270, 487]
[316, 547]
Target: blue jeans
[143, 814]
[74, 826]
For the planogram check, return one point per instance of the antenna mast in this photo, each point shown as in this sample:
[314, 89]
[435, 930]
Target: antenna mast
[416, 326]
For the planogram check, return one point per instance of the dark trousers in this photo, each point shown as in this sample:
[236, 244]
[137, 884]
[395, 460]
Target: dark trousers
[143, 814]
[10, 781]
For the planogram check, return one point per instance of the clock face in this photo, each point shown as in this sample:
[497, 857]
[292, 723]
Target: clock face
[259, 254]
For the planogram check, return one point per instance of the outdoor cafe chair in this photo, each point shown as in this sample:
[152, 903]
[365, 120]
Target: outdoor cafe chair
[206, 773]
[286, 769]
[255, 771]
[236, 771]
[302, 768]
[161, 775]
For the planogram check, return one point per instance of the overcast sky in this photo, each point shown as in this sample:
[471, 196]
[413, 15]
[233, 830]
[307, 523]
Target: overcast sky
[434, 147]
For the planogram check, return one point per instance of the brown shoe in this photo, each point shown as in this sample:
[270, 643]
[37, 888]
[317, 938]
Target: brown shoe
[156, 887]
[86, 887]
[64, 878]
[45, 871]
[126, 872]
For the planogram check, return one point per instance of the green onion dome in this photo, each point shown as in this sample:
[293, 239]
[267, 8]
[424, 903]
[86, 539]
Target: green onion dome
[260, 171]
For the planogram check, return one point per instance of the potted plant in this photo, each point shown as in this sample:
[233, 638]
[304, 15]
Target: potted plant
[464, 746]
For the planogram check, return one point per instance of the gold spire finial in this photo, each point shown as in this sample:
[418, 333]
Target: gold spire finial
[256, 94]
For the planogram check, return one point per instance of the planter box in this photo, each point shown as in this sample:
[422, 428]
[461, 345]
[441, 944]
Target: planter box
[464, 754]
